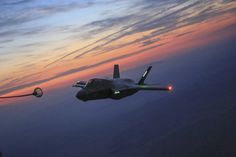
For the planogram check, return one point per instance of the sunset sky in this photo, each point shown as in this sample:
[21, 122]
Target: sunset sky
[49, 42]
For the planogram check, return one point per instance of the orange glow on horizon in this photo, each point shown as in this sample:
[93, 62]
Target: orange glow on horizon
[203, 34]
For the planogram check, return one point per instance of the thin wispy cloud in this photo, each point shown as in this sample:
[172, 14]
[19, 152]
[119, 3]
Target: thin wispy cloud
[6, 41]
[28, 10]
[71, 71]
[164, 18]
[45, 34]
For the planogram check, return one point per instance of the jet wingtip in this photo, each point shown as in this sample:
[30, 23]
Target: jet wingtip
[170, 88]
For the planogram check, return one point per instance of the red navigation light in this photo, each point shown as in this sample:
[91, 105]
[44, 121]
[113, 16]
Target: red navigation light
[170, 88]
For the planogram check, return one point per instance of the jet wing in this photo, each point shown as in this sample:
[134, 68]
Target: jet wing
[118, 90]
[143, 87]
[154, 87]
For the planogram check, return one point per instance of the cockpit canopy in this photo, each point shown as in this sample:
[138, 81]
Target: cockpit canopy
[96, 82]
[80, 84]
[93, 83]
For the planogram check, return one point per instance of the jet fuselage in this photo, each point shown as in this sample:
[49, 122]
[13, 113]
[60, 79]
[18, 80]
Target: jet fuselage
[104, 88]
[115, 88]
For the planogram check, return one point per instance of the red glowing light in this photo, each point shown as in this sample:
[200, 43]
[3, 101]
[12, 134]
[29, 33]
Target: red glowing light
[170, 88]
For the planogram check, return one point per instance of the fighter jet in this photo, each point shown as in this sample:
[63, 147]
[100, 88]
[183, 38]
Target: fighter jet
[116, 88]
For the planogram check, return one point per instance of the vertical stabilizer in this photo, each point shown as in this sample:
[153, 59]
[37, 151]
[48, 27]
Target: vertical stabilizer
[141, 81]
[116, 72]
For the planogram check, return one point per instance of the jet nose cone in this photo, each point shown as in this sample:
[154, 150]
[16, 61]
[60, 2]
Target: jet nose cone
[81, 95]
